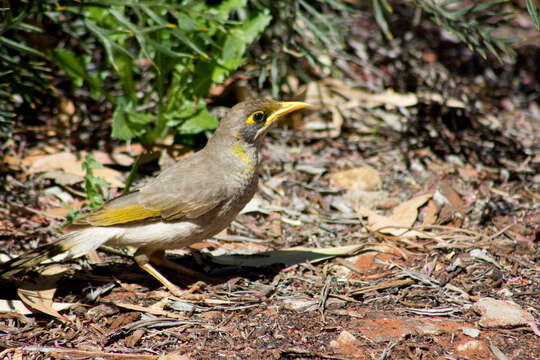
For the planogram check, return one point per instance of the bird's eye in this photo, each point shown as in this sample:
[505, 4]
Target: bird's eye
[258, 117]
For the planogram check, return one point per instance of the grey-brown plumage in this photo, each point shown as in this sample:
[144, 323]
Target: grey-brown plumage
[192, 200]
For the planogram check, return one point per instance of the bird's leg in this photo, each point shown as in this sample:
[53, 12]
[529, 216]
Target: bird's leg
[158, 257]
[143, 260]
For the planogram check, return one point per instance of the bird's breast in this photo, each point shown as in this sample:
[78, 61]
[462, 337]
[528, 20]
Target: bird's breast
[246, 159]
[242, 162]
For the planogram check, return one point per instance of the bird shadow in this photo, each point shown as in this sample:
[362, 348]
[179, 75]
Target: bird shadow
[219, 269]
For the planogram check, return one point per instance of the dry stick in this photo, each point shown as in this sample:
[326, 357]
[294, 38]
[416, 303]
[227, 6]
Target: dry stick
[324, 296]
[393, 283]
[54, 352]
[33, 211]
[307, 353]
[389, 349]
[453, 231]
[501, 231]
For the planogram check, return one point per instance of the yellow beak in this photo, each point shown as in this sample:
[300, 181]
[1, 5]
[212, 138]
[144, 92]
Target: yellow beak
[285, 107]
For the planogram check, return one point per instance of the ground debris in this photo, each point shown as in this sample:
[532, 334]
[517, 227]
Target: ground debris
[391, 222]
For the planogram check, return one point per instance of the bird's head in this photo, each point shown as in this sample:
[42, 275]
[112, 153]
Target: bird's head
[250, 120]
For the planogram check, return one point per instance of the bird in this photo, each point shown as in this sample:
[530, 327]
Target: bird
[190, 201]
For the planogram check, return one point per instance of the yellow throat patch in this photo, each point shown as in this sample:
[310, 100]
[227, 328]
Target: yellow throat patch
[241, 154]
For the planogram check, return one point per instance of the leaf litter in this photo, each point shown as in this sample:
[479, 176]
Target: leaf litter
[383, 227]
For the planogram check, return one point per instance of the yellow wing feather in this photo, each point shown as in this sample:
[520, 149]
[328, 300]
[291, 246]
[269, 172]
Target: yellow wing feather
[121, 215]
[121, 210]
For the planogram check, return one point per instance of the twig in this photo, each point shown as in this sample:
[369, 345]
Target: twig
[307, 353]
[324, 297]
[54, 352]
[390, 347]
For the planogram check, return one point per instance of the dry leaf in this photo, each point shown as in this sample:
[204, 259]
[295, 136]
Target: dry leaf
[52, 162]
[319, 95]
[337, 122]
[388, 98]
[134, 149]
[468, 173]
[387, 284]
[39, 295]
[61, 177]
[60, 212]
[69, 163]
[452, 207]
[432, 211]
[391, 99]
[403, 216]
[175, 355]
[115, 158]
[361, 178]
[370, 199]
[324, 94]
[19, 307]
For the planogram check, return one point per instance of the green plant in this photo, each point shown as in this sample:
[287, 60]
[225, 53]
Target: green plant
[304, 38]
[474, 24]
[175, 49]
[93, 185]
[24, 69]
[155, 61]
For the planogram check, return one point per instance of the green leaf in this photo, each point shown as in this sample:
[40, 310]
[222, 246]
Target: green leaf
[487, 5]
[135, 30]
[200, 122]
[236, 44]
[90, 163]
[225, 8]
[93, 184]
[201, 83]
[533, 12]
[319, 34]
[252, 28]
[20, 46]
[178, 32]
[75, 68]
[125, 74]
[321, 17]
[71, 64]
[140, 118]
[28, 28]
[381, 20]
[189, 121]
[167, 51]
[102, 36]
[445, 3]
[122, 128]
[132, 175]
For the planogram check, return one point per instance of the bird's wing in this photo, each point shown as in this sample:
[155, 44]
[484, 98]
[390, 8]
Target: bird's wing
[185, 190]
[121, 210]
[188, 189]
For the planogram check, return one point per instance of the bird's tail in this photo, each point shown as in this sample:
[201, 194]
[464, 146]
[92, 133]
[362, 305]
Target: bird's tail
[69, 246]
